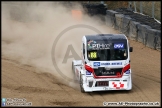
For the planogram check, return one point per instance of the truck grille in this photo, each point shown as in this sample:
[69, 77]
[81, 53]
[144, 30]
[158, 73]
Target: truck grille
[101, 71]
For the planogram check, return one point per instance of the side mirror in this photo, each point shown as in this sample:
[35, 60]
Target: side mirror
[131, 49]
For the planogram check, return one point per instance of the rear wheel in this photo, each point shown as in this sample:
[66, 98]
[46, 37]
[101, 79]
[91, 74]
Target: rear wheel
[81, 84]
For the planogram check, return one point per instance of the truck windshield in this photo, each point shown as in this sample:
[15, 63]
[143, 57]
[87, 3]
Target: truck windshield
[107, 52]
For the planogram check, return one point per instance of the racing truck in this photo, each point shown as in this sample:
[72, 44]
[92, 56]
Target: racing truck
[104, 64]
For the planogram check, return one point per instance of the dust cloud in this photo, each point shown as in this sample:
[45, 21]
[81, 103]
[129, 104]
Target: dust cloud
[29, 30]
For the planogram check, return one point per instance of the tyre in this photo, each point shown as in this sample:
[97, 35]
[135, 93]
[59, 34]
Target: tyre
[72, 67]
[81, 84]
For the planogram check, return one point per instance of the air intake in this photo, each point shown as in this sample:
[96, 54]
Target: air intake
[90, 83]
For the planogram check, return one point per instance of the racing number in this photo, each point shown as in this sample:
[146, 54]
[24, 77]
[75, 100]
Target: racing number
[93, 55]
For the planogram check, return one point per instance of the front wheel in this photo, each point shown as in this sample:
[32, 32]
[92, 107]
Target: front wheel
[72, 67]
[81, 84]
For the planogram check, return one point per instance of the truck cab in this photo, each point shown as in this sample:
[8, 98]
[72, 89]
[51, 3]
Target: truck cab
[105, 63]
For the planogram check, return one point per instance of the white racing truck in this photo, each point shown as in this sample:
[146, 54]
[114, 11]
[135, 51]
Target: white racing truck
[105, 63]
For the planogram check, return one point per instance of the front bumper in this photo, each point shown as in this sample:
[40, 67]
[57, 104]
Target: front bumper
[124, 83]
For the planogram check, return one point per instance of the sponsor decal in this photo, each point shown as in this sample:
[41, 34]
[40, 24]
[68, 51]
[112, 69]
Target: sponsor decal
[101, 46]
[88, 73]
[116, 63]
[90, 42]
[127, 72]
[105, 63]
[96, 63]
[117, 84]
[118, 46]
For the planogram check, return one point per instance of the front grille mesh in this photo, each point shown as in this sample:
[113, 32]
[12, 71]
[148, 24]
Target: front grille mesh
[101, 71]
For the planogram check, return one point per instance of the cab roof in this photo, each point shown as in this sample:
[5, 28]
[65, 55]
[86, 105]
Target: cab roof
[100, 37]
